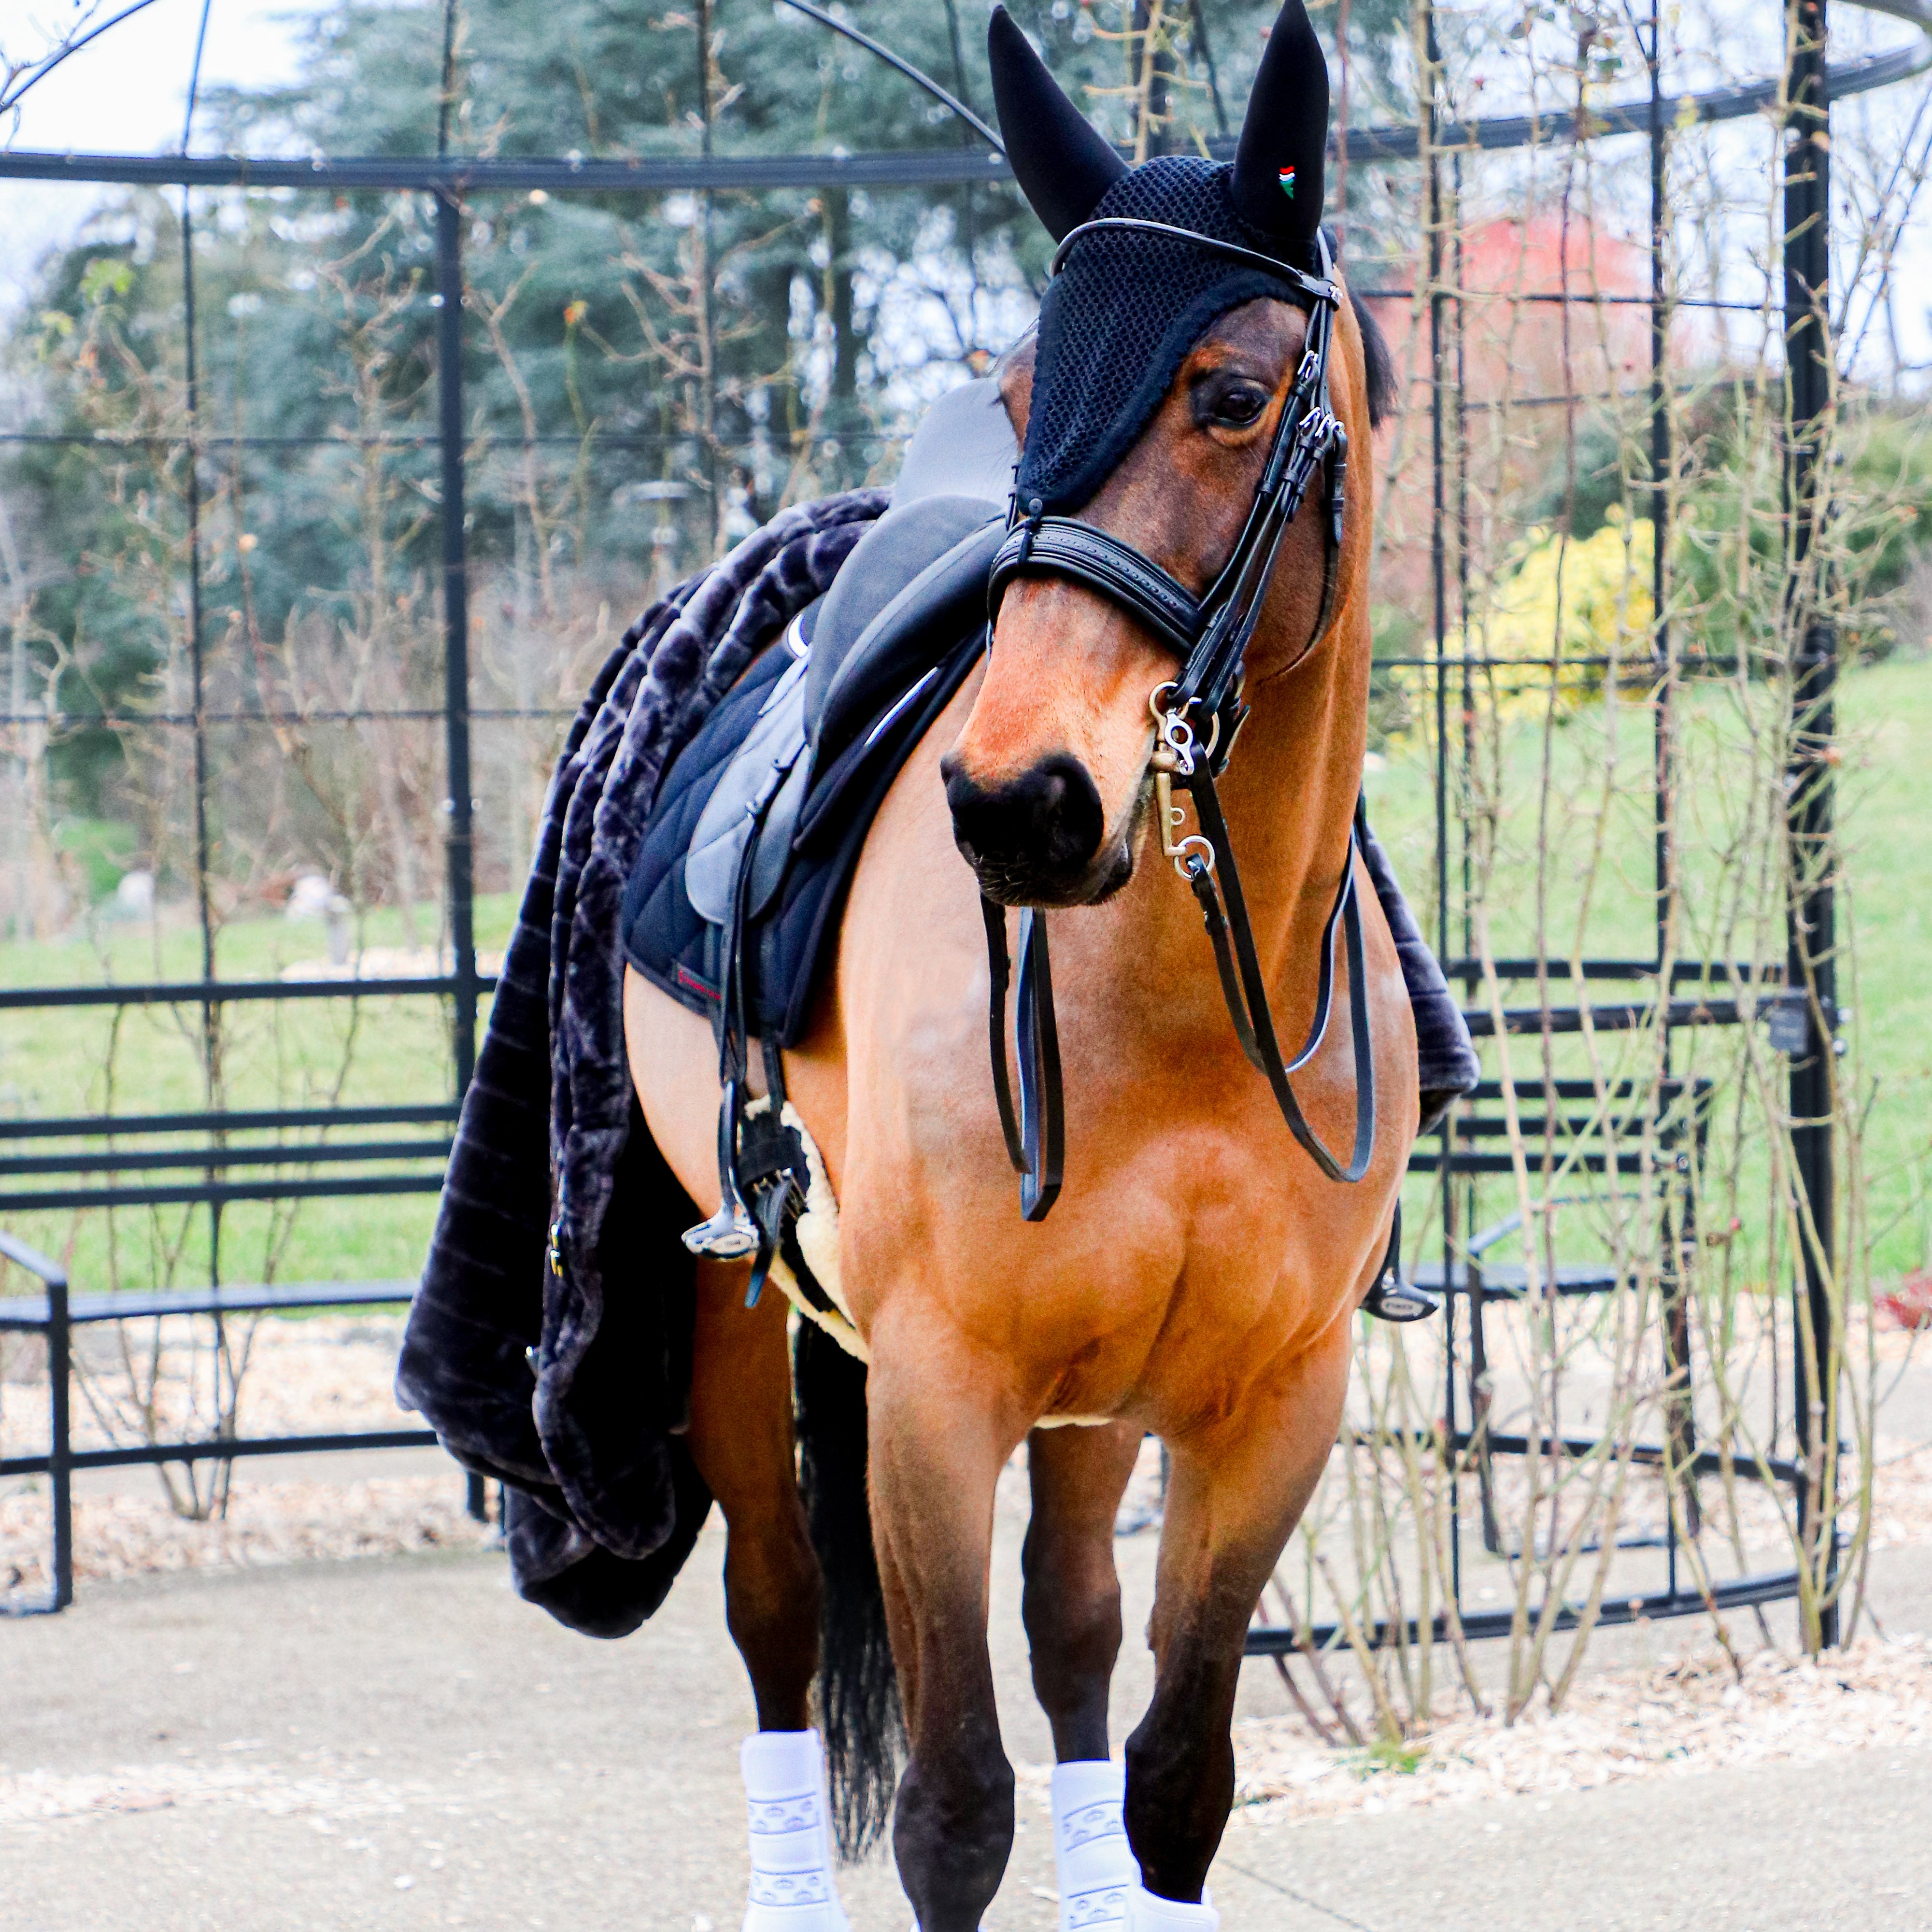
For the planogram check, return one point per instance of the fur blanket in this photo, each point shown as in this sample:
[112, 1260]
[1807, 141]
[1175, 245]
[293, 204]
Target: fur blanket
[558, 1227]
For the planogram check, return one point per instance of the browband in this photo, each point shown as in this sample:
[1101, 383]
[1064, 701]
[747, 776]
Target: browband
[1315, 288]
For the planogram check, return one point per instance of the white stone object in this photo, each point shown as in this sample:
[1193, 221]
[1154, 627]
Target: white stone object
[309, 897]
[134, 896]
[340, 916]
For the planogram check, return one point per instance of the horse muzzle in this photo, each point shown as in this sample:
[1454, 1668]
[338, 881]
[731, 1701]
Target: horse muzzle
[1037, 839]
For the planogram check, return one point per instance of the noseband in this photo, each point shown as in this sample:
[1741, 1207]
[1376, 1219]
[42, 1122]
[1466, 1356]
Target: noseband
[1199, 714]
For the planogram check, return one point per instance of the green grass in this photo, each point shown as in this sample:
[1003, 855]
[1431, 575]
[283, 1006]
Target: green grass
[1884, 804]
[377, 1051]
[1887, 810]
[299, 1053]
[1389, 1755]
[101, 850]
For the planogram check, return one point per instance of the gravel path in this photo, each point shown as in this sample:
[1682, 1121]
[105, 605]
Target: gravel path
[398, 1743]
[238, 1727]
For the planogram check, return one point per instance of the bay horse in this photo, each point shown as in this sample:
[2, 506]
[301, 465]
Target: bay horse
[1197, 1277]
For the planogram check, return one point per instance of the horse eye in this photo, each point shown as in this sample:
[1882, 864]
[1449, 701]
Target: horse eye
[1237, 407]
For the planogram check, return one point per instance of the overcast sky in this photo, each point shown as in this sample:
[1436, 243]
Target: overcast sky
[125, 94]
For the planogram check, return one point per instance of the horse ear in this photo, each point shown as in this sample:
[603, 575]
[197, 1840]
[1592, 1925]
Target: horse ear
[1277, 183]
[1062, 165]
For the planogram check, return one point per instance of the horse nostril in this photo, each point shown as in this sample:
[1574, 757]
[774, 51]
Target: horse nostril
[1047, 823]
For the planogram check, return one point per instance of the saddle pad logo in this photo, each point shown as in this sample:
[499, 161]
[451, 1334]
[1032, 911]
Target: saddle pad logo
[1286, 177]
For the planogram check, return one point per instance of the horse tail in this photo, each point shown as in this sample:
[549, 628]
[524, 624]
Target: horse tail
[858, 1687]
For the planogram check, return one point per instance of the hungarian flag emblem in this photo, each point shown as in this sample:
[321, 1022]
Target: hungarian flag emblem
[1287, 179]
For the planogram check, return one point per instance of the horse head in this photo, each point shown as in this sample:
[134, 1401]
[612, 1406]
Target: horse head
[1147, 405]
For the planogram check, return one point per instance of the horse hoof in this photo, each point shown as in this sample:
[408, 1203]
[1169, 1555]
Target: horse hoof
[1148, 1911]
[1093, 1865]
[792, 1886]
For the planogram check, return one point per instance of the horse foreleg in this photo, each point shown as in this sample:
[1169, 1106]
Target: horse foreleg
[935, 1457]
[1072, 1608]
[1071, 1600]
[1236, 1492]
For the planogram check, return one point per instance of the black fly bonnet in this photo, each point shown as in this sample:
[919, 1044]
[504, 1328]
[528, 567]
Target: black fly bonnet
[1124, 310]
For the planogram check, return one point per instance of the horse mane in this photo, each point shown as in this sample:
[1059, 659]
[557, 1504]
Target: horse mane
[1377, 363]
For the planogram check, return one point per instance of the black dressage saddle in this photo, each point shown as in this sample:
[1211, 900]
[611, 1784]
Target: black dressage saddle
[736, 894]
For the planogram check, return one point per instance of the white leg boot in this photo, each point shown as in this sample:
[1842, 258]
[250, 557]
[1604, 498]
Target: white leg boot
[1094, 1866]
[792, 1886]
[1148, 1911]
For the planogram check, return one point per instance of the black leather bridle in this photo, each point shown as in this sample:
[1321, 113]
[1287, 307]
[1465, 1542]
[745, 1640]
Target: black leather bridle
[1199, 714]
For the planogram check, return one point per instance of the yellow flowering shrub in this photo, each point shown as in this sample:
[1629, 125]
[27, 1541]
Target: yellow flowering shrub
[1600, 585]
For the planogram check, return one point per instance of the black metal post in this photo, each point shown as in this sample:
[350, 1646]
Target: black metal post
[197, 668]
[1810, 964]
[60, 1446]
[456, 636]
[210, 1008]
[1437, 507]
[1439, 581]
[1660, 497]
[704, 293]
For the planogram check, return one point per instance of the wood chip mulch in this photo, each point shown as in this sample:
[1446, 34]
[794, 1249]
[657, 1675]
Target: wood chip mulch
[1675, 1719]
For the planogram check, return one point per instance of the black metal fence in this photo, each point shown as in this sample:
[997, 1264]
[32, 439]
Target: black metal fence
[54, 1313]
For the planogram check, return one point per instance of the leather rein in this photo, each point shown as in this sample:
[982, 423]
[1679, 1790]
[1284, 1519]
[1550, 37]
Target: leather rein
[1199, 715]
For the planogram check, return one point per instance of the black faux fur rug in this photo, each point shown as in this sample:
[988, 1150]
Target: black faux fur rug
[498, 1354]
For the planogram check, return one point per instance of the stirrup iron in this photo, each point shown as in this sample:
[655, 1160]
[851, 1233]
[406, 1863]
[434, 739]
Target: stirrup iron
[731, 1234]
[1393, 1299]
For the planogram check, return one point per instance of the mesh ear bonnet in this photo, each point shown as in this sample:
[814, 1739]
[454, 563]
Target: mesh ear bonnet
[1125, 309]
[1123, 313]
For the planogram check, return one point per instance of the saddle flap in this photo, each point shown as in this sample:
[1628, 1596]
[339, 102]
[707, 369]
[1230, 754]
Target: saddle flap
[775, 742]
